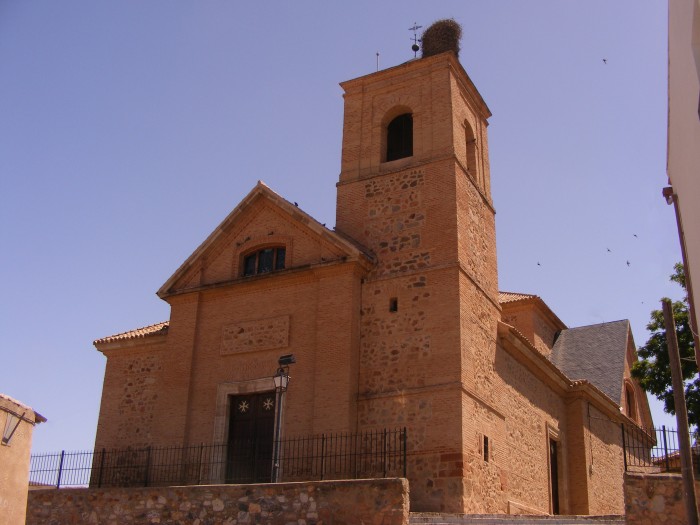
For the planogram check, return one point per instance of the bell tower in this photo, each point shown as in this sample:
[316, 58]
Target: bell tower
[414, 188]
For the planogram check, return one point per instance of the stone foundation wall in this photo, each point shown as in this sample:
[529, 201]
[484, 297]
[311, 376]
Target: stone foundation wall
[655, 499]
[382, 502]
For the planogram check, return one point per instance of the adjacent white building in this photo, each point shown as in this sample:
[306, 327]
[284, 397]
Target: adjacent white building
[683, 156]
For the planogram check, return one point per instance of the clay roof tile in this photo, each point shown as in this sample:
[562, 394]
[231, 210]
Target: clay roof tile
[510, 297]
[146, 331]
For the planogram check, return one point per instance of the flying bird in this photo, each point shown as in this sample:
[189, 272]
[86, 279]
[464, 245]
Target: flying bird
[635, 235]
[609, 249]
[295, 204]
[628, 263]
[538, 263]
[605, 61]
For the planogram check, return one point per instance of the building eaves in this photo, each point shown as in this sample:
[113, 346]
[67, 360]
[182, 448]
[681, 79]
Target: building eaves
[511, 297]
[138, 333]
[20, 410]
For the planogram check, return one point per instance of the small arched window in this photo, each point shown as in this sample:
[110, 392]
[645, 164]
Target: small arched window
[470, 141]
[399, 137]
[264, 261]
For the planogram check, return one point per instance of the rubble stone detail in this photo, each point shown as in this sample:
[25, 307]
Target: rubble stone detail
[139, 396]
[264, 334]
[365, 501]
[655, 499]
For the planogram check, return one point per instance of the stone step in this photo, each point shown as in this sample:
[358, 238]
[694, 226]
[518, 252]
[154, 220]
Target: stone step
[429, 518]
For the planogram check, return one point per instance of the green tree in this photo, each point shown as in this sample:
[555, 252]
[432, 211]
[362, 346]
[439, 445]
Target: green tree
[652, 370]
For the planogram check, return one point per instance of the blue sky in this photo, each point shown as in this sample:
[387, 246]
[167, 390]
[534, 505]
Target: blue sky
[130, 129]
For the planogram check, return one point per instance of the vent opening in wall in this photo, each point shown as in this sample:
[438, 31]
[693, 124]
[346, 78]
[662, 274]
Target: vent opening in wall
[394, 304]
[486, 449]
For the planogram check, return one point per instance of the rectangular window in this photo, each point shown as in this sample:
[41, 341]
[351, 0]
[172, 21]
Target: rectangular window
[265, 260]
[486, 448]
[249, 265]
[393, 304]
[554, 474]
[279, 262]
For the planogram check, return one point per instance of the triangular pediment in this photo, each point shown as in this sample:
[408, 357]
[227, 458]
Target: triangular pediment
[261, 220]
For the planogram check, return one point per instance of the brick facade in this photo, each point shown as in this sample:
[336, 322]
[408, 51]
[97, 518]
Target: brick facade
[394, 318]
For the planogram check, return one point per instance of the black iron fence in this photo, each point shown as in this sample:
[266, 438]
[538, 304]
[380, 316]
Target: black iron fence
[655, 449]
[373, 454]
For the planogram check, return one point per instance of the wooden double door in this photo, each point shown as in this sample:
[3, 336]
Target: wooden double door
[251, 438]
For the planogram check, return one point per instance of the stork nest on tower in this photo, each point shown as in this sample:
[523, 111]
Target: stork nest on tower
[442, 36]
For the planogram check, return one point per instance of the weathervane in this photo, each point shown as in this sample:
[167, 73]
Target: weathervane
[415, 45]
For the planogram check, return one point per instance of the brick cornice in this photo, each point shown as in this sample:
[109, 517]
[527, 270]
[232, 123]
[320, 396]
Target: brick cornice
[133, 346]
[447, 60]
[276, 279]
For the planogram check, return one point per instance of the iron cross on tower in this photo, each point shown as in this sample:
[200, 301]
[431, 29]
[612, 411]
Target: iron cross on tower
[415, 45]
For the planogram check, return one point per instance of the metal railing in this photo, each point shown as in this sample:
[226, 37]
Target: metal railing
[655, 449]
[372, 454]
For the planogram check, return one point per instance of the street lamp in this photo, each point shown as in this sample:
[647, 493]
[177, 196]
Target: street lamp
[281, 379]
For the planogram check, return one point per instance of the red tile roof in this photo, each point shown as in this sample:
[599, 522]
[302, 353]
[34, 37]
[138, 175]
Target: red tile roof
[510, 297]
[146, 331]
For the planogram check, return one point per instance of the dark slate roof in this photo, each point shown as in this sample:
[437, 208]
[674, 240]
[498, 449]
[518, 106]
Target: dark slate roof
[596, 353]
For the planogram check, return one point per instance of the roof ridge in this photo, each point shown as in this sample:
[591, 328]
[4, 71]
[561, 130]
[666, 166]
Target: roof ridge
[599, 324]
[516, 293]
[511, 297]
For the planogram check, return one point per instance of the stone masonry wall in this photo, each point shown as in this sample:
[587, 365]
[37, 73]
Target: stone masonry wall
[409, 344]
[382, 501]
[131, 393]
[655, 499]
[605, 465]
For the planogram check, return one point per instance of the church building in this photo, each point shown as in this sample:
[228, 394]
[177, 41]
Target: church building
[395, 320]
